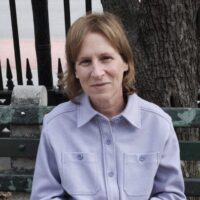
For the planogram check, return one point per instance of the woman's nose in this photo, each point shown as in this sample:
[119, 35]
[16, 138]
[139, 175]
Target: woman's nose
[97, 71]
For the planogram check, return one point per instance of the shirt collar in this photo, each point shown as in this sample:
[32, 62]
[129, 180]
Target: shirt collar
[132, 111]
[85, 111]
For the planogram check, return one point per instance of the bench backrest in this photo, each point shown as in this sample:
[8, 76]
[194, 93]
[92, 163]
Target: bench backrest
[20, 147]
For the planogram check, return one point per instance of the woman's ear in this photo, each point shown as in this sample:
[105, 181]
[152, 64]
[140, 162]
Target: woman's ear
[76, 75]
[125, 67]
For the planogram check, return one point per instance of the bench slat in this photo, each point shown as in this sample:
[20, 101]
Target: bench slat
[24, 115]
[192, 186]
[5, 115]
[26, 147]
[18, 147]
[182, 117]
[16, 182]
[190, 150]
[23, 182]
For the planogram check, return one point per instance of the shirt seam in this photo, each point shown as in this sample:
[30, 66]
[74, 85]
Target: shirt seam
[148, 110]
[53, 117]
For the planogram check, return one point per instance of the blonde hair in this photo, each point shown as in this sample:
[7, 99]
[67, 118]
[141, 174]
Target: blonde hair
[112, 29]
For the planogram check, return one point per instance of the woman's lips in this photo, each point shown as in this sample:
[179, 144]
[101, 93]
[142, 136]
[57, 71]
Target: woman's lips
[99, 84]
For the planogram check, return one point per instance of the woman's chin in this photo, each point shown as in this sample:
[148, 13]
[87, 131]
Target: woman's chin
[100, 97]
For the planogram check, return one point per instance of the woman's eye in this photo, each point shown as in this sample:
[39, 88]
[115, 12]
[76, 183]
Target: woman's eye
[107, 58]
[85, 62]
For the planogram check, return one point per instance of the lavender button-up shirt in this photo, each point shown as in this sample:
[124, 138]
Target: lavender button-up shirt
[85, 156]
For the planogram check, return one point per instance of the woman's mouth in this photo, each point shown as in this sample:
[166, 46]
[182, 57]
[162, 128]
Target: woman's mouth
[99, 84]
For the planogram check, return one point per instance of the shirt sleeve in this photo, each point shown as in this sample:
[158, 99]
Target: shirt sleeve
[46, 180]
[169, 183]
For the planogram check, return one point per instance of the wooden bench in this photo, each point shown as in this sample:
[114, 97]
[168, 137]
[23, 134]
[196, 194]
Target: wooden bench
[20, 180]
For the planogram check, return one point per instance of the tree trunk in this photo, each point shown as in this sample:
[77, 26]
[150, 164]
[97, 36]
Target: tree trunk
[165, 36]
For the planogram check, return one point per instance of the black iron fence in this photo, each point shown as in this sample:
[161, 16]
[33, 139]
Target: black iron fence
[43, 52]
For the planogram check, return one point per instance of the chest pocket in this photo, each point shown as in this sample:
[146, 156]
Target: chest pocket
[139, 173]
[80, 173]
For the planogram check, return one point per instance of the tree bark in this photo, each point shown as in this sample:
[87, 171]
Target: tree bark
[163, 35]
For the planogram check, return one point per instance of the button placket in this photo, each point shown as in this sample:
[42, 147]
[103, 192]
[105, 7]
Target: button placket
[109, 159]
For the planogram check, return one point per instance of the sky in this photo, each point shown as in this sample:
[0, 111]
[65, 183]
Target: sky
[26, 31]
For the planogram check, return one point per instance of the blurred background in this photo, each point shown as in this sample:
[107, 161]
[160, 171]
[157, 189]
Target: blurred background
[26, 33]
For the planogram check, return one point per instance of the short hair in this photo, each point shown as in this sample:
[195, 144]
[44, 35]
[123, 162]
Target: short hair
[109, 26]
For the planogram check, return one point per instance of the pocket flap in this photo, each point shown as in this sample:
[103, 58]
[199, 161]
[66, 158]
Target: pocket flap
[142, 158]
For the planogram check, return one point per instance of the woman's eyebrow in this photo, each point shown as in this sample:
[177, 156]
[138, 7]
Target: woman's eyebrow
[101, 54]
[83, 57]
[107, 54]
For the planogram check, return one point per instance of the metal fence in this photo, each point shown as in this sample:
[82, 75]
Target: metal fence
[43, 52]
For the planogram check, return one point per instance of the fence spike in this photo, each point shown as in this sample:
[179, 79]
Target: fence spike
[88, 5]
[9, 75]
[1, 78]
[28, 73]
[59, 74]
[60, 71]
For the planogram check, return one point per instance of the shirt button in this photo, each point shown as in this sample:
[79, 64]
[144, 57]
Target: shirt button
[80, 156]
[141, 158]
[110, 174]
[108, 141]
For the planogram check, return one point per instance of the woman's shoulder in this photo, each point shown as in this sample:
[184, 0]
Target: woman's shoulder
[153, 109]
[63, 108]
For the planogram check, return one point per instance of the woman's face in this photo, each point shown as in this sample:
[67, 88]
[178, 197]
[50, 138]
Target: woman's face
[100, 69]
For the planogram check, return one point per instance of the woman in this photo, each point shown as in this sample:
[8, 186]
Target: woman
[106, 142]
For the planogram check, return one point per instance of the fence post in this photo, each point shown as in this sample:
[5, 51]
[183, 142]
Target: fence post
[16, 41]
[88, 5]
[21, 96]
[42, 42]
[1, 78]
[67, 15]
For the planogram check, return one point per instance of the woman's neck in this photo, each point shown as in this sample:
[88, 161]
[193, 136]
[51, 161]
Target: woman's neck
[110, 108]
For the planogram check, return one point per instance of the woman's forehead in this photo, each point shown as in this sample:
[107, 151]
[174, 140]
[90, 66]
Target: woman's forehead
[96, 45]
